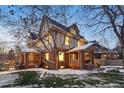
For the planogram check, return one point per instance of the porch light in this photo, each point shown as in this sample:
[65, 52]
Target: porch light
[105, 55]
[46, 66]
[61, 67]
[61, 56]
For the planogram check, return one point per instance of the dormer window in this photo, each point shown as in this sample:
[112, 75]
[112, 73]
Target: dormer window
[73, 31]
[66, 40]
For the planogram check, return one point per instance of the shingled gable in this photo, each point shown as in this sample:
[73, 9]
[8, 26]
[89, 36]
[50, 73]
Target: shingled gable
[46, 18]
[73, 26]
[57, 24]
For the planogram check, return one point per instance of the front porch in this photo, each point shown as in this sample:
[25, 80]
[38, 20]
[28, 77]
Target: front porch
[81, 60]
[81, 57]
[29, 58]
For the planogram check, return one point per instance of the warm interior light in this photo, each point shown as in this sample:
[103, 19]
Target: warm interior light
[73, 31]
[67, 40]
[74, 56]
[47, 56]
[78, 43]
[31, 56]
[49, 38]
[39, 44]
[61, 56]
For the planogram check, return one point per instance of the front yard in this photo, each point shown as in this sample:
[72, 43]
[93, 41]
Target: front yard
[63, 78]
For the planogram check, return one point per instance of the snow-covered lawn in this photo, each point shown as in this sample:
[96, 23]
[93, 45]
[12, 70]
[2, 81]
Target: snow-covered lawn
[39, 77]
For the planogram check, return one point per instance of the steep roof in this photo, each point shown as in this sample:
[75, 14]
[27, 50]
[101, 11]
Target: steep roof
[61, 26]
[55, 22]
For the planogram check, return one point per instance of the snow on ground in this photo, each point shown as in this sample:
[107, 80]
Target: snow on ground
[7, 79]
[67, 71]
[60, 71]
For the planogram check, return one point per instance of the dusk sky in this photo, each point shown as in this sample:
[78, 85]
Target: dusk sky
[85, 31]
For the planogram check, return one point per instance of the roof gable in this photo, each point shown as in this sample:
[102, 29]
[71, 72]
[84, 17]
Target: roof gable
[73, 26]
[59, 25]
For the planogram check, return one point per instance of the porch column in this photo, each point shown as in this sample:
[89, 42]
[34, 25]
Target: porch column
[27, 60]
[92, 57]
[69, 58]
[81, 59]
[24, 60]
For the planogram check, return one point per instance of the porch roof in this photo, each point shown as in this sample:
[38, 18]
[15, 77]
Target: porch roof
[84, 47]
[29, 50]
[107, 51]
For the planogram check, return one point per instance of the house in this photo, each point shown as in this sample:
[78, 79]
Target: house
[54, 41]
[58, 46]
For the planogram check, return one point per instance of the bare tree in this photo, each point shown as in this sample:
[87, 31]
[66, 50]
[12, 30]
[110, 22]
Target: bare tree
[22, 20]
[105, 18]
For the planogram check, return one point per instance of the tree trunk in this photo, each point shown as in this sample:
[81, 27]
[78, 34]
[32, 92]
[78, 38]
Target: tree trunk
[57, 63]
[123, 56]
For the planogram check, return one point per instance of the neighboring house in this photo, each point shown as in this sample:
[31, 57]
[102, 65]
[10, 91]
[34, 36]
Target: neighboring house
[102, 54]
[118, 50]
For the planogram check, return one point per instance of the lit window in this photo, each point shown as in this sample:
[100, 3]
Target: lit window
[47, 56]
[66, 40]
[61, 56]
[73, 31]
[31, 57]
[39, 44]
[78, 43]
[74, 56]
[49, 38]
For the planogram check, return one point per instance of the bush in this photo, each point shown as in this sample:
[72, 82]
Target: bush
[1, 66]
[53, 81]
[27, 78]
[114, 70]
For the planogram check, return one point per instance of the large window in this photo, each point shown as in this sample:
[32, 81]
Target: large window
[50, 38]
[66, 40]
[31, 57]
[47, 56]
[61, 56]
[74, 56]
[87, 56]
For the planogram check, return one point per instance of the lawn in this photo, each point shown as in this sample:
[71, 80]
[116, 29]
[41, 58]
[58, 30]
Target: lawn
[38, 79]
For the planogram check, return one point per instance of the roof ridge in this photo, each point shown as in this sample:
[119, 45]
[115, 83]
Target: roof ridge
[55, 22]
